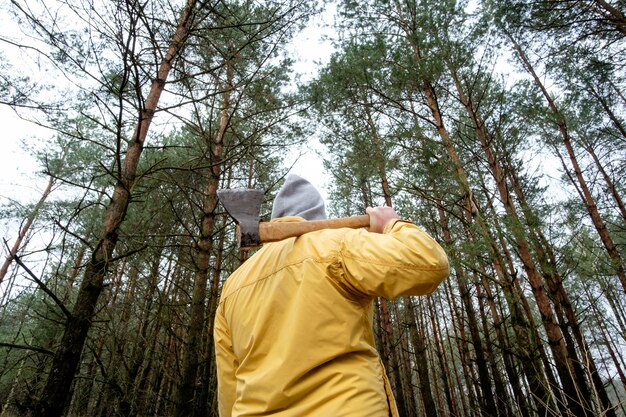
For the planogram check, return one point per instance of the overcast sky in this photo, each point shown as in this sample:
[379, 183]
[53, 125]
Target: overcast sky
[17, 168]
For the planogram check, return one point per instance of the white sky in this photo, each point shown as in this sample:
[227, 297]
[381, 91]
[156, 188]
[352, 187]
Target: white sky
[310, 49]
[16, 166]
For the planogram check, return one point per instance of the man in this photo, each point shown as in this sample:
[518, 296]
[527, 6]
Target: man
[293, 330]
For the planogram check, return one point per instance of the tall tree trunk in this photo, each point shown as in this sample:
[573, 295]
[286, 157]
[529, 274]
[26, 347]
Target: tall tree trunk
[509, 361]
[405, 370]
[142, 355]
[56, 394]
[467, 397]
[567, 363]
[503, 402]
[389, 349]
[488, 403]
[609, 182]
[563, 306]
[390, 356]
[197, 320]
[585, 192]
[618, 360]
[528, 343]
[485, 391]
[159, 377]
[377, 152]
[469, 394]
[206, 402]
[423, 372]
[447, 377]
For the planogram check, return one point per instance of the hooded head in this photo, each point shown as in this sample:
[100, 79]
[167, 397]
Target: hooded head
[298, 197]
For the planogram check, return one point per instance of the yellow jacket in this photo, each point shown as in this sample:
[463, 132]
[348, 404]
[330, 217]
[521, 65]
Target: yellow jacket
[293, 330]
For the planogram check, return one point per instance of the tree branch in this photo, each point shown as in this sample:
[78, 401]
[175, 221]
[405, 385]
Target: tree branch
[25, 347]
[41, 285]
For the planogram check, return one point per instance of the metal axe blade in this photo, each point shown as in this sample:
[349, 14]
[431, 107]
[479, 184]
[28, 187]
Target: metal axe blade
[244, 206]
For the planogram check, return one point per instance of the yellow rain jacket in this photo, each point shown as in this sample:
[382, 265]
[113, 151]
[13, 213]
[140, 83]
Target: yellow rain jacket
[293, 330]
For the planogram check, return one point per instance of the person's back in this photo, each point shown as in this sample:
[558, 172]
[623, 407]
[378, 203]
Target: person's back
[293, 330]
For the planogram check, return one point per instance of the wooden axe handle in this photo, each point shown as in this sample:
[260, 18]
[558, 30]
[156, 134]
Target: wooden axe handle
[272, 232]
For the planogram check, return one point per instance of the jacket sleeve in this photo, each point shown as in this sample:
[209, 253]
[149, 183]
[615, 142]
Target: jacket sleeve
[226, 366]
[403, 260]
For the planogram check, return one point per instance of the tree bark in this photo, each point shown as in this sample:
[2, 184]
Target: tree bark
[609, 183]
[56, 393]
[194, 351]
[24, 229]
[421, 362]
[487, 400]
[469, 395]
[527, 344]
[586, 195]
[563, 306]
[503, 402]
[566, 362]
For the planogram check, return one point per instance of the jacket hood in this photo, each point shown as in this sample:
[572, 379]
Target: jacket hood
[298, 197]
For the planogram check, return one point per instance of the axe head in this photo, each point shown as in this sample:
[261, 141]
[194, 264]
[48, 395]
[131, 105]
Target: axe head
[244, 206]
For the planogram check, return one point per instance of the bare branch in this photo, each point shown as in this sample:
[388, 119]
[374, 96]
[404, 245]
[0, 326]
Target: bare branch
[25, 347]
[41, 284]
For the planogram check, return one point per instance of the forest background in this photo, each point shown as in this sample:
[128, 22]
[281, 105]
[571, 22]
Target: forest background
[497, 126]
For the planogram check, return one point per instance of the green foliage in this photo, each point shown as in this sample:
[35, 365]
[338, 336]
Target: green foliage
[28, 330]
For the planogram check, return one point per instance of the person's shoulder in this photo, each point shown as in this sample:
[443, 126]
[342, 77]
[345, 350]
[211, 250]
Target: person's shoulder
[244, 273]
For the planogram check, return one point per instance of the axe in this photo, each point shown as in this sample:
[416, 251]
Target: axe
[244, 206]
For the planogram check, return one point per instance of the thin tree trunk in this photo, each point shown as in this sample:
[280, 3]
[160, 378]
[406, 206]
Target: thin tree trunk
[567, 365]
[487, 400]
[586, 196]
[503, 403]
[563, 306]
[474, 402]
[507, 358]
[618, 360]
[150, 402]
[24, 229]
[73, 274]
[609, 182]
[142, 361]
[390, 353]
[467, 402]
[617, 306]
[56, 394]
[380, 158]
[528, 346]
[390, 357]
[405, 370]
[423, 371]
[194, 350]
[446, 377]
[209, 382]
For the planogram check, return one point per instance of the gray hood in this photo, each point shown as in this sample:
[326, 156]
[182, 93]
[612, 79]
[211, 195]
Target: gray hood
[298, 197]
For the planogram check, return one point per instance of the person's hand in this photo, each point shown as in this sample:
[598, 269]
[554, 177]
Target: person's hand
[379, 217]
